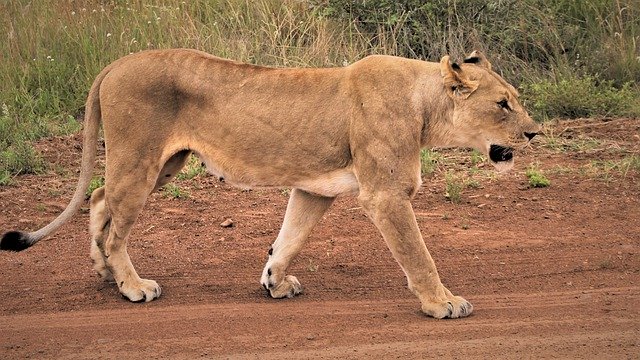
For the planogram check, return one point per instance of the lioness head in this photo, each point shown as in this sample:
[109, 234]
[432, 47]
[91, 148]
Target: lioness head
[487, 115]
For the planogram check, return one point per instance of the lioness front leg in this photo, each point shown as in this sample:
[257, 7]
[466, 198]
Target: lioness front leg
[394, 217]
[303, 213]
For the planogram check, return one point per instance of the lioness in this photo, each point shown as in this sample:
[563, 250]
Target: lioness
[323, 132]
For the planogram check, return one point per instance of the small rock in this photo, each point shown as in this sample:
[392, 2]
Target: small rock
[227, 223]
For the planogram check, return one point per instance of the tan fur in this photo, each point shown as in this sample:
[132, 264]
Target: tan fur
[324, 132]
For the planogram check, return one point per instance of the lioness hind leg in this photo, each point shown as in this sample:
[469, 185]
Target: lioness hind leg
[99, 229]
[127, 188]
[303, 213]
[171, 168]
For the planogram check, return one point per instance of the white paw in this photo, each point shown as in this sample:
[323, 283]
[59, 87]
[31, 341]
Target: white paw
[454, 307]
[288, 287]
[99, 264]
[140, 291]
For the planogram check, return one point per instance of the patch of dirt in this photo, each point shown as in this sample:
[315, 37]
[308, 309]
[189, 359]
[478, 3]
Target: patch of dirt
[552, 272]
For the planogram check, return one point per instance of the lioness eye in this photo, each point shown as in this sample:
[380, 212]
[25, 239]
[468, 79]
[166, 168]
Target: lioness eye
[504, 104]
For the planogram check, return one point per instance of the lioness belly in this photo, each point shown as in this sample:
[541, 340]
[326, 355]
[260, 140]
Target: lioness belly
[339, 182]
[330, 184]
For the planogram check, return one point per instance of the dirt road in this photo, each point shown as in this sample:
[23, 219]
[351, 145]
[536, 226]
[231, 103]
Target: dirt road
[552, 272]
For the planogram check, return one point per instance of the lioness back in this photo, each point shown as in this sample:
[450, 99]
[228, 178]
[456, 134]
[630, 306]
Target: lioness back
[252, 125]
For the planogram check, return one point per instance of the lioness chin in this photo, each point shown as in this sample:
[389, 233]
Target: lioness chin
[323, 132]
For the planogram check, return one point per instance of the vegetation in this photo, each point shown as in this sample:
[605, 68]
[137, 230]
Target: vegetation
[608, 169]
[194, 168]
[429, 161]
[453, 187]
[570, 58]
[536, 177]
[96, 182]
[47, 70]
[174, 191]
[576, 97]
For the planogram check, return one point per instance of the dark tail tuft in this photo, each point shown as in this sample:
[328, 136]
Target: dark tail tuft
[15, 241]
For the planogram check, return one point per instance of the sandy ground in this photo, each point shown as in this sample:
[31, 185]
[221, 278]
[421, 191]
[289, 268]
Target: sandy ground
[552, 272]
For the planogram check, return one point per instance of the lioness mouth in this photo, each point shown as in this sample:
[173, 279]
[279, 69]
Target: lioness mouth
[499, 153]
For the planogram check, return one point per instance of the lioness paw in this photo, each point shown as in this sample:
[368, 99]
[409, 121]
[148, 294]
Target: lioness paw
[141, 291]
[288, 287]
[99, 263]
[455, 307]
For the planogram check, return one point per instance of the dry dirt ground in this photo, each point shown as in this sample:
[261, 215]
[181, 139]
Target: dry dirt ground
[552, 272]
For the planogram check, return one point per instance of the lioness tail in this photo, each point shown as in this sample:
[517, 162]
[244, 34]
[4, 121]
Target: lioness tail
[18, 240]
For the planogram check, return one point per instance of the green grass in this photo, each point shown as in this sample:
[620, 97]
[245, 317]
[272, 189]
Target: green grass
[96, 182]
[477, 158]
[429, 161]
[193, 169]
[607, 170]
[576, 97]
[173, 191]
[453, 187]
[47, 70]
[570, 58]
[5, 178]
[580, 144]
[630, 163]
[536, 178]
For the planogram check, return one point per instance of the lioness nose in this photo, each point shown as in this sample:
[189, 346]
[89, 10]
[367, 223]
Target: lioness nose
[530, 135]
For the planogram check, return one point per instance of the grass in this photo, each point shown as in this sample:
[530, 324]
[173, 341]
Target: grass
[630, 163]
[477, 158]
[47, 70]
[5, 178]
[569, 58]
[286, 192]
[96, 182]
[429, 161]
[536, 178]
[580, 144]
[453, 187]
[607, 170]
[193, 169]
[173, 191]
[576, 97]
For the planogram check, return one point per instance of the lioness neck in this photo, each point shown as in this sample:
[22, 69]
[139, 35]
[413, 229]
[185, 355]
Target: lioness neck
[437, 112]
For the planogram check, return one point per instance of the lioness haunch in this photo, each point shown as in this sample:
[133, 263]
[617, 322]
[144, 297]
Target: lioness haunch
[354, 130]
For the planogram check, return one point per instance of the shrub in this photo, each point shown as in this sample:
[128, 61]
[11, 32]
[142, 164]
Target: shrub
[575, 97]
[522, 37]
[20, 158]
[589, 48]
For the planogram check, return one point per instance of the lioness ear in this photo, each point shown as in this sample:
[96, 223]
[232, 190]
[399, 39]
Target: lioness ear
[455, 80]
[476, 57]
